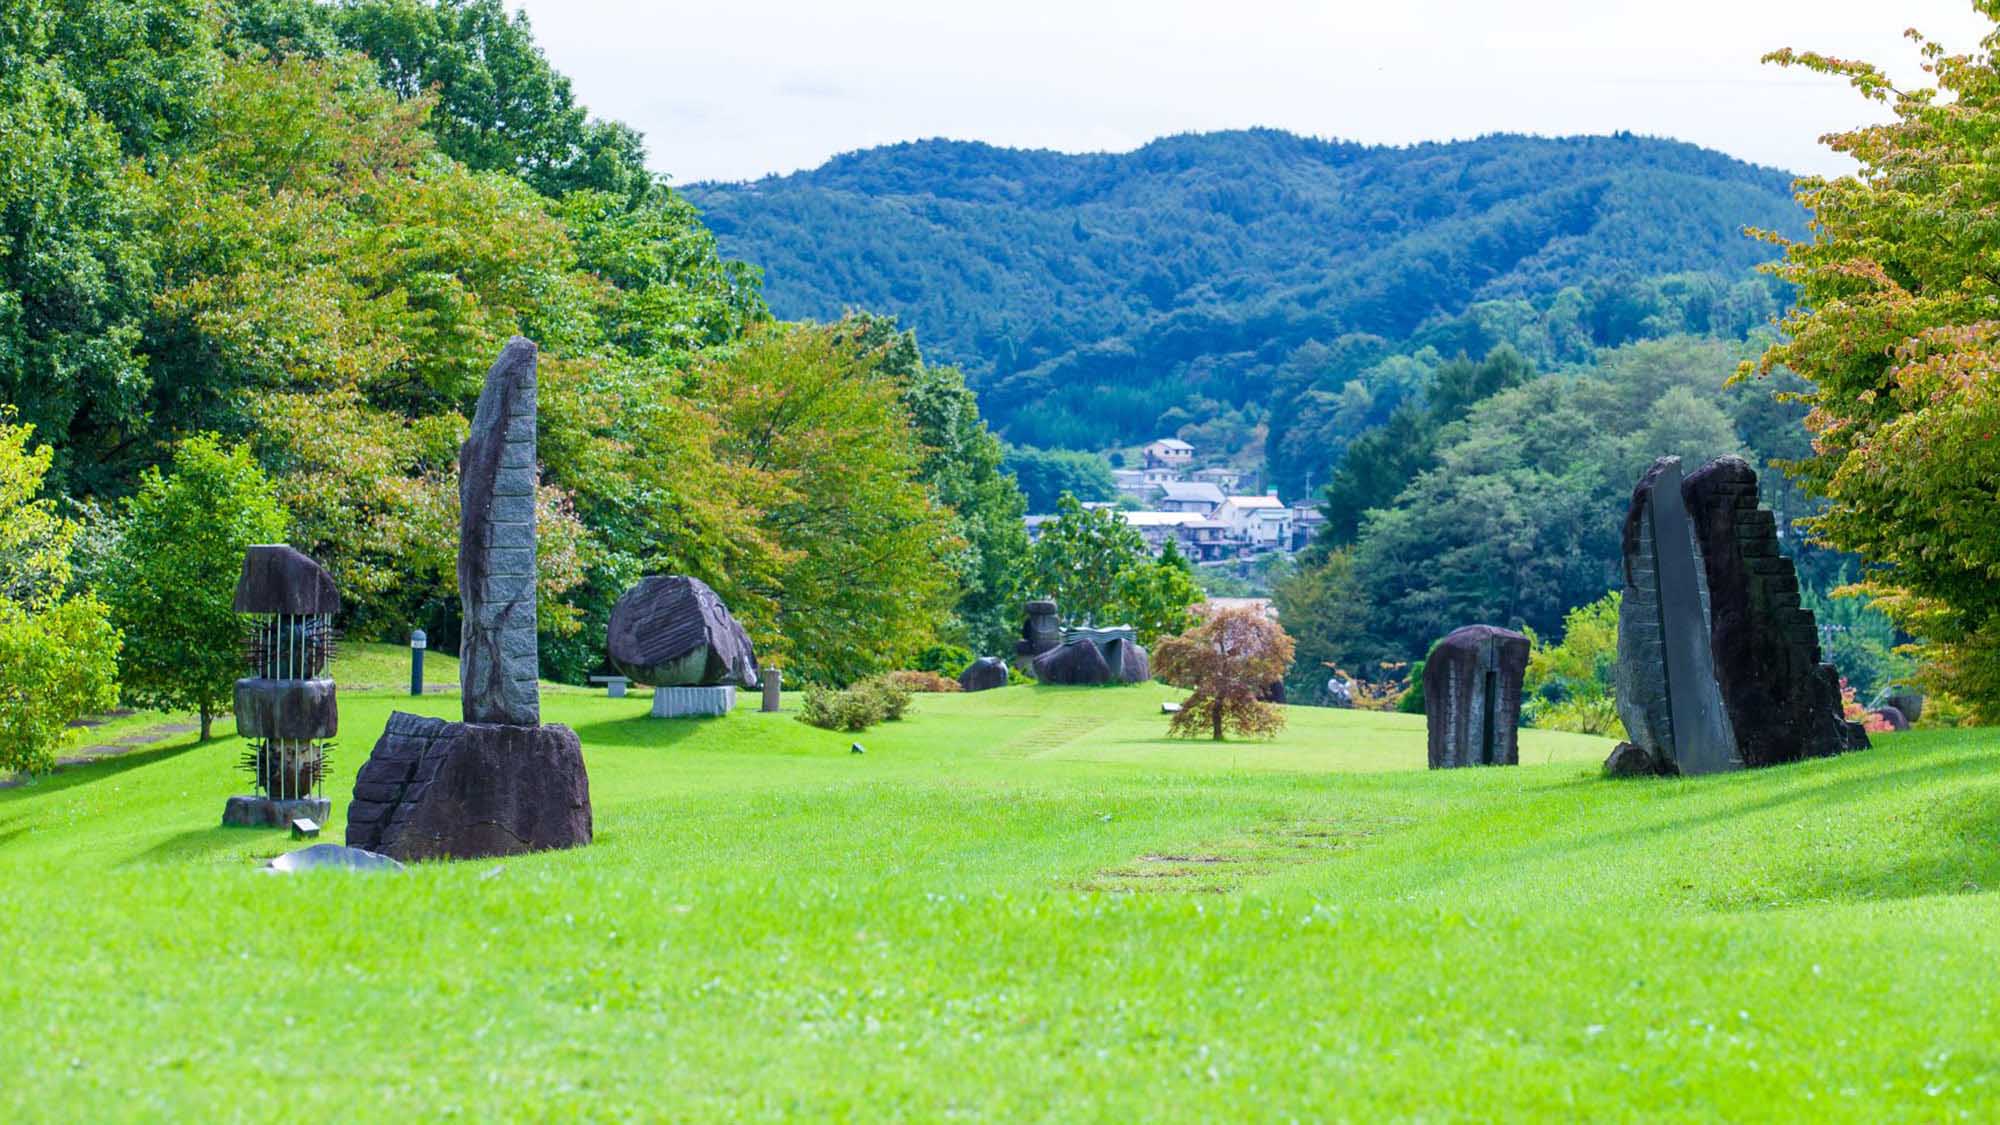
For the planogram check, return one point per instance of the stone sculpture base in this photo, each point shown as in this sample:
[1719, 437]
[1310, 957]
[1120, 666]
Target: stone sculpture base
[693, 702]
[439, 790]
[264, 812]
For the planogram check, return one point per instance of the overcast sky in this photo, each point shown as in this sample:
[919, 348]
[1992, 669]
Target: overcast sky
[737, 89]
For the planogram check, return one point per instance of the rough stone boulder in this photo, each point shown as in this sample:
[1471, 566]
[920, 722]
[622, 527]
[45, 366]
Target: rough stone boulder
[439, 790]
[1083, 660]
[280, 579]
[675, 632]
[1472, 697]
[1629, 760]
[984, 674]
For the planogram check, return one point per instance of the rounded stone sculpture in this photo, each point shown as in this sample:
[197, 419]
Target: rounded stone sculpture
[984, 674]
[1041, 632]
[1110, 658]
[675, 632]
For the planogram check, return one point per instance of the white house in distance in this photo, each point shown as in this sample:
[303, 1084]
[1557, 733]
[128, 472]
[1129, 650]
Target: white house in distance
[1169, 453]
[1261, 521]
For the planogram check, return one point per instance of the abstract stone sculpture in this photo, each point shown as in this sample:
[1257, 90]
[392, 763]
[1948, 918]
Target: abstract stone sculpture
[499, 783]
[1041, 632]
[286, 708]
[1663, 635]
[675, 634]
[498, 655]
[1472, 697]
[1718, 662]
[1094, 656]
[984, 674]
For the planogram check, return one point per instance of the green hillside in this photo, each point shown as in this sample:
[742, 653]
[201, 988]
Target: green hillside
[1027, 904]
[1089, 295]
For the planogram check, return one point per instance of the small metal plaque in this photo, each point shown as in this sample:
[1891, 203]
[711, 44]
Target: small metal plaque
[305, 828]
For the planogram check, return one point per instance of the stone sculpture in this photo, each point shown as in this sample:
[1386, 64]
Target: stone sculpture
[1719, 664]
[500, 782]
[984, 674]
[1094, 656]
[287, 707]
[1041, 631]
[1472, 697]
[675, 634]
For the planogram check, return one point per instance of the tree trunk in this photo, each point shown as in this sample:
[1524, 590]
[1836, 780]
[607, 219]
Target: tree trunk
[207, 721]
[1215, 717]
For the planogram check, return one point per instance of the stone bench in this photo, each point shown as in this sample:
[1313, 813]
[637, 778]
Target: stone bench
[614, 686]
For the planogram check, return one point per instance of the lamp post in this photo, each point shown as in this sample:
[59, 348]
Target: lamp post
[418, 642]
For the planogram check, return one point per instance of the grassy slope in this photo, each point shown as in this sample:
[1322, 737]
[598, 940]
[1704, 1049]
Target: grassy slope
[769, 924]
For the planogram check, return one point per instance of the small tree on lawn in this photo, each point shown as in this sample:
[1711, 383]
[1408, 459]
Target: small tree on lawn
[58, 654]
[176, 573]
[1229, 661]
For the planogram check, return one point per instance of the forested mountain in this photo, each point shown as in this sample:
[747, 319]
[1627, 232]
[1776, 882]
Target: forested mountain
[1094, 299]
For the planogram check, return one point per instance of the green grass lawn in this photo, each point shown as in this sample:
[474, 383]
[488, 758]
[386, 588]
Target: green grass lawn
[1026, 904]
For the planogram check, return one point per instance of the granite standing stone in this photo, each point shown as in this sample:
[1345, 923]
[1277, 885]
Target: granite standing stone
[499, 662]
[1472, 697]
[499, 783]
[1667, 690]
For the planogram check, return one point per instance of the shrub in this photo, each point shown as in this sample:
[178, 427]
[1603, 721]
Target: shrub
[1580, 715]
[945, 660]
[61, 663]
[1411, 702]
[885, 696]
[923, 682]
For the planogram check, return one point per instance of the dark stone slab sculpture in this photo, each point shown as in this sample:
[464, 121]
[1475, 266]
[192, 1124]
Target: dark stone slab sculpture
[1783, 700]
[1719, 664]
[1095, 656]
[1041, 631]
[1663, 634]
[498, 670]
[675, 632]
[1472, 697]
[278, 579]
[1078, 662]
[499, 783]
[440, 790]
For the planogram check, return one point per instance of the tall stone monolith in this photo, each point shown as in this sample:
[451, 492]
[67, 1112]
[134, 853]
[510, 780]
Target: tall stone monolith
[498, 657]
[1472, 697]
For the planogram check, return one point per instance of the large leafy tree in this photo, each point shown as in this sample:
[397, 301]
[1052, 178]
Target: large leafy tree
[864, 581]
[1896, 330]
[1156, 597]
[177, 565]
[1079, 558]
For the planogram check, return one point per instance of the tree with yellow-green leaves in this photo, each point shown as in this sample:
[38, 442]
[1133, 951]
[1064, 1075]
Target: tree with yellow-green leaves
[58, 653]
[1897, 327]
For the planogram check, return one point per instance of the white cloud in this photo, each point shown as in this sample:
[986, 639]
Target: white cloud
[737, 90]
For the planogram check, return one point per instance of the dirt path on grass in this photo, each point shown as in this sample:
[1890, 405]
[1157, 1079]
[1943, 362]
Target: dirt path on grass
[136, 740]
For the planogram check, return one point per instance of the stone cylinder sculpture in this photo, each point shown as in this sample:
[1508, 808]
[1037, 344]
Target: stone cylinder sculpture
[286, 707]
[1472, 697]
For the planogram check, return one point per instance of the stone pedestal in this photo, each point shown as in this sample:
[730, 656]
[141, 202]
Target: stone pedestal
[439, 790]
[693, 702]
[264, 812]
[774, 699]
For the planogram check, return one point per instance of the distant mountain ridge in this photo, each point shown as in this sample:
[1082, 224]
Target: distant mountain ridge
[1086, 296]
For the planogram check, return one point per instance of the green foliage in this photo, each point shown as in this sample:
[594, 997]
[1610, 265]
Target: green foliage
[1044, 475]
[58, 654]
[1079, 559]
[944, 659]
[1571, 686]
[1894, 329]
[1860, 641]
[1155, 597]
[1412, 702]
[1229, 661]
[862, 578]
[874, 700]
[177, 568]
